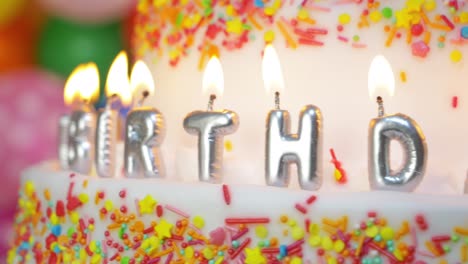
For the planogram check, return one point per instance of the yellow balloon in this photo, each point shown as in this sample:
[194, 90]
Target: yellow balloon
[9, 9]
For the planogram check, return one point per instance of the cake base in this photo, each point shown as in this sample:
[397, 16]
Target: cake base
[70, 218]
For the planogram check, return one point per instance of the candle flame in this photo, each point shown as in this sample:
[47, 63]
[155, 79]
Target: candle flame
[381, 81]
[117, 79]
[141, 79]
[271, 70]
[83, 83]
[213, 77]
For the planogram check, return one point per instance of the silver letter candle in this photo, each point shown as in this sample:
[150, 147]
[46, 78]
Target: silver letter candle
[81, 138]
[284, 148]
[107, 129]
[81, 87]
[211, 126]
[304, 148]
[64, 122]
[106, 140]
[407, 132]
[384, 129]
[144, 130]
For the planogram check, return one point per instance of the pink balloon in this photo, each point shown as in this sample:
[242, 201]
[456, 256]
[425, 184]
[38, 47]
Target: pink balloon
[91, 11]
[31, 103]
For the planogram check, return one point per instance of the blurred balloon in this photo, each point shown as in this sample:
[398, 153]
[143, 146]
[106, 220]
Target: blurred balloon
[63, 45]
[18, 39]
[90, 11]
[9, 9]
[30, 104]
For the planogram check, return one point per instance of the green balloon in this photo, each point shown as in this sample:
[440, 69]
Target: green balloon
[63, 45]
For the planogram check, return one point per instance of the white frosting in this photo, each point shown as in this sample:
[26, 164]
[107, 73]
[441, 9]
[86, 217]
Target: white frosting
[442, 212]
[333, 77]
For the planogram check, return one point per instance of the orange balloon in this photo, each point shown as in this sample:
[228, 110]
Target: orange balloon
[18, 40]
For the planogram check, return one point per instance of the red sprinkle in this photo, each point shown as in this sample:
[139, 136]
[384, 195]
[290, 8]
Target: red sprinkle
[455, 101]
[259, 220]
[300, 208]
[226, 194]
[310, 42]
[447, 21]
[240, 248]
[441, 238]
[122, 193]
[159, 210]
[311, 199]
[60, 208]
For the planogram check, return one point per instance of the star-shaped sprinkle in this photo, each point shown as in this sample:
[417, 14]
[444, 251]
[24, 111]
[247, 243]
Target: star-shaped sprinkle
[254, 256]
[163, 229]
[147, 205]
[414, 5]
[403, 18]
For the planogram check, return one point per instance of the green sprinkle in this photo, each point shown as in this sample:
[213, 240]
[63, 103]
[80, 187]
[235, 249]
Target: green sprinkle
[387, 12]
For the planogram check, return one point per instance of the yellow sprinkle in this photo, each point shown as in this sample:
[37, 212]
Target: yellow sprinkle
[189, 252]
[292, 223]
[269, 36]
[96, 258]
[230, 11]
[296, 260]
[427, 37]
[75, 217]
[29, 188]
[303, 14]
[254, 22]
[464, 253]
[261, 231]
[297, 233]
[375, 16]
[85, 183]
[344, 19]
[269, 11]
[372, 231]
[461, 231]
[314, 229]
[331, 260]
[314, 241]
[432, 248]
[234, 26]
[109, 205]
[463, 17]
[339, 246]
[387, 233]
[54, 219]
[389, 41]
[398, 255]
[359, 247]
[228, 145]
[430, 5]
[327, 243]
[456, 56]
[208, 253]
[198, 222]
[83, 197]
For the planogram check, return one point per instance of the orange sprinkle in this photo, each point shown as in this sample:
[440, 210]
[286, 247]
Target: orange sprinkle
[254, 22]
[387, 28]
[344, 223]
[409, 36]
[427, 37]
[456, 19]
[441, 39]
[388, 43]
[284, 219]
[47, 194]
[329, 229]
[359, 247]
[403, 76]
[440, 26]
[464, 253]
[85, 184]
[443, 261]
[274, 241]
[461, 231]
[113, 226]
[201, 62]
[292, 43]
[328, 221]
[425, 18]
[164, 252]
[432, 248]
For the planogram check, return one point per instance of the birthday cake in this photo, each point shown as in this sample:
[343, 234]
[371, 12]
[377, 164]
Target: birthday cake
[325, 49]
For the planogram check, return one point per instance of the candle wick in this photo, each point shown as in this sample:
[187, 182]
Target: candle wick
[381, 109]
[277, 101]
[211, 102]
[144, 95]
[111, 100]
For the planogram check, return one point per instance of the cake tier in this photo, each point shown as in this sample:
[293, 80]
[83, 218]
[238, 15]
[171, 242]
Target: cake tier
[67, 218]
[429, 80]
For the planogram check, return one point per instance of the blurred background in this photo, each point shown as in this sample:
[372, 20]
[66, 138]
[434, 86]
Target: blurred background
[41, 42]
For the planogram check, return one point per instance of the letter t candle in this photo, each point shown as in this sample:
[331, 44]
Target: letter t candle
[210, 126]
